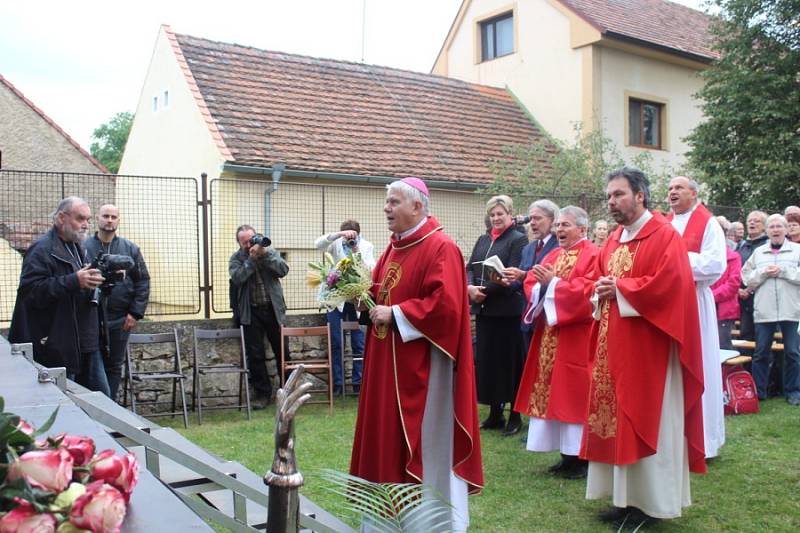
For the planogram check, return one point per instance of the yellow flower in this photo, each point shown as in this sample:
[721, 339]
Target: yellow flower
[343, 264]
[313, 278]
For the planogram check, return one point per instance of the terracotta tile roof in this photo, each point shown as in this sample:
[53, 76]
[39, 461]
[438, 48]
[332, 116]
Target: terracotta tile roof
[322, 115]
[53, 125]
[656, 22]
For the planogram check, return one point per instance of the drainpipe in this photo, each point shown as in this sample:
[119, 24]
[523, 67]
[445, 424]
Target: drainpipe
[277, 172]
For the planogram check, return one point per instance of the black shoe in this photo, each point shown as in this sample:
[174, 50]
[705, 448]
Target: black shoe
[337, 390]
[577, 470]
[613, 514]
[260, 402]
[634, 520]
[356, 388]
[558, 467]
[493, 423]
[513, 427]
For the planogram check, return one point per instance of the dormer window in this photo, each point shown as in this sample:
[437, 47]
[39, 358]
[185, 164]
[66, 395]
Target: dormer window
[497, 36]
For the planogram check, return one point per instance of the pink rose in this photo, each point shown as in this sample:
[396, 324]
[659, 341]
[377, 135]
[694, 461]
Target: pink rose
[100, 510]
[24, 427]
[44, 469]
[80, 448]
[24, 519]
[120, 471]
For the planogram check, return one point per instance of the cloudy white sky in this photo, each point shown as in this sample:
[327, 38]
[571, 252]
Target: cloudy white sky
[83, 61]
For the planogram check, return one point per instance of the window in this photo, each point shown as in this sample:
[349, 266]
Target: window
[165, 99]
[497, 36]
[155, 104]
[644, 123]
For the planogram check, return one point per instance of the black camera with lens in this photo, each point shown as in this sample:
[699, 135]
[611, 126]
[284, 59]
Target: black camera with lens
[261, 240]
[352, 243]
[112, 267]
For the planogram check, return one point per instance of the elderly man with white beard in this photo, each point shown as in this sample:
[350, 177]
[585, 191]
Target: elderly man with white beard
[705, 241]
[53, 309]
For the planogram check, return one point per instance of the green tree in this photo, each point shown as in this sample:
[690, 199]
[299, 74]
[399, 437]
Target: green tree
[110, 139]
[573, 172]
[748, 148]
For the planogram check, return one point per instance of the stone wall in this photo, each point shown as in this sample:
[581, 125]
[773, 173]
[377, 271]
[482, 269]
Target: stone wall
[156, 357]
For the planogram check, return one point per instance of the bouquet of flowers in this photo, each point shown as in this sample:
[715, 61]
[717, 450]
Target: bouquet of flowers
[60, 483]
[349, 280]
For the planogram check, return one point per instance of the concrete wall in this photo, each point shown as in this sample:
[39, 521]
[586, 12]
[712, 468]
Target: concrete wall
[544, 72]
[624, 74]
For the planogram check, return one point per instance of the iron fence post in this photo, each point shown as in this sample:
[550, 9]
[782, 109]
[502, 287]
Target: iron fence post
[205, 245]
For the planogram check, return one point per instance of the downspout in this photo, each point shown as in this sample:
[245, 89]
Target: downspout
[277, 173]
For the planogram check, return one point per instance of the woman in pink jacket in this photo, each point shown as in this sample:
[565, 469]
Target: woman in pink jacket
[726, 291]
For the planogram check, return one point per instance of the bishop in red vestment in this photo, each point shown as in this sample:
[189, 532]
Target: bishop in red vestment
[555, 382]
[644, 429]
[417, 414]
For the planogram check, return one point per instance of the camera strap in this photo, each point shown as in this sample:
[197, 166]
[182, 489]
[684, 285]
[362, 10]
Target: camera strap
[75, 255]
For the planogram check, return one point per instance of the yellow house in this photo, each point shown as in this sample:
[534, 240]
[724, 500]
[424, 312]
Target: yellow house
[632, 65]
[294, 145]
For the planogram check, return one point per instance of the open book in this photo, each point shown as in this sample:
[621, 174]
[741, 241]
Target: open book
[492, 268]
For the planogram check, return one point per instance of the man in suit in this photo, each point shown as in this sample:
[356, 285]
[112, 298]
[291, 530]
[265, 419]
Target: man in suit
[543, 214]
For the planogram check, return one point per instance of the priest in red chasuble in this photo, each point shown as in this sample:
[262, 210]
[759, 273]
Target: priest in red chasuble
[555, 382]
[644, 430]
[417, 415]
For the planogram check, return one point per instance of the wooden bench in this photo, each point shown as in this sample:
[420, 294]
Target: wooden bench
[741, 344]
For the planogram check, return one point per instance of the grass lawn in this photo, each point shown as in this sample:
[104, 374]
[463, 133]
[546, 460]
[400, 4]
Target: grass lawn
[753, 486]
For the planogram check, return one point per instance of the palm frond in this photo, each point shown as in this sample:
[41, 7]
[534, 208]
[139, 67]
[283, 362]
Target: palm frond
[391, 507]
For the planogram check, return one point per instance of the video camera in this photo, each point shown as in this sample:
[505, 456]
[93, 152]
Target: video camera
[109, 266]
[261, 240]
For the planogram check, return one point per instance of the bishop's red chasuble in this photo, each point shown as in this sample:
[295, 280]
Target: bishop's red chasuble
[555, 381]
[424, 274]
[695, 228]
[630, 354]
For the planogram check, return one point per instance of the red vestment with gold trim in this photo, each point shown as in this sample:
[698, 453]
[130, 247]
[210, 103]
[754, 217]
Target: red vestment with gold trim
[555, 382]
[424, 274]
[630, 354]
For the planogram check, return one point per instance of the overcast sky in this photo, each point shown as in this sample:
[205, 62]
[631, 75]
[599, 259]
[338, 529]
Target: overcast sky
[83, 61]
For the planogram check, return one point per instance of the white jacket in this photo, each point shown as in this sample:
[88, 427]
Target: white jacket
[776, 299]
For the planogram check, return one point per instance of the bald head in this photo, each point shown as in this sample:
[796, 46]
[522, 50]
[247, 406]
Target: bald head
[107, 222]
[682, 194]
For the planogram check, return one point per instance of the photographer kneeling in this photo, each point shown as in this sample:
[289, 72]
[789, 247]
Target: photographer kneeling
[255, 271]
[339, 244]
[124, 300]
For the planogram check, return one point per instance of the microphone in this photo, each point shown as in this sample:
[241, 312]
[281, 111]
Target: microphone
[520, 220]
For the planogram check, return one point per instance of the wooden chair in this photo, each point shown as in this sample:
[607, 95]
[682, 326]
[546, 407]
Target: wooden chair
[175, 373]
[202, 370]
[320, 367]
[349, 326]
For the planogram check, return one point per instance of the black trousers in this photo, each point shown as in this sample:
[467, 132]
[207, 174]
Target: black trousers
[118, 343]
[262, 322]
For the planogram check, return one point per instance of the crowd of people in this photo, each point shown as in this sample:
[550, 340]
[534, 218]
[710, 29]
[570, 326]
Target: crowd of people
[622, 333]
[610, 343]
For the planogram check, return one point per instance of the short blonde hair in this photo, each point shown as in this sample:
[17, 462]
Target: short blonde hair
[501, 200]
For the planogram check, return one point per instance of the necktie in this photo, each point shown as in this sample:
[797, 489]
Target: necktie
[539, 246]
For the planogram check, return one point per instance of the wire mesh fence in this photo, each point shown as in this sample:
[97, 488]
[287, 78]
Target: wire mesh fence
[165, 215]
[159, 214]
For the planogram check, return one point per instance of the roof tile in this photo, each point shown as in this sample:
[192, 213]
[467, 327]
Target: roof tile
[658, 22]
[336, 116]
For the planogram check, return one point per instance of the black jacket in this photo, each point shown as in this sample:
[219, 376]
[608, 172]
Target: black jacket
[500, 301]
[47, 304]
[130, 296]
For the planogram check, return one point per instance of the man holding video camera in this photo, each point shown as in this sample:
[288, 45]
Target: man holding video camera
[339, 244]
[53, 308]
[255, 271]
[125, 302]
